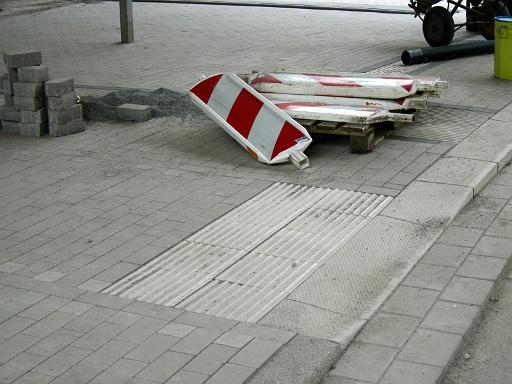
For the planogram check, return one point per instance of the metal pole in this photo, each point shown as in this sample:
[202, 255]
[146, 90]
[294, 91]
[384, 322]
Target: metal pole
[126, 19]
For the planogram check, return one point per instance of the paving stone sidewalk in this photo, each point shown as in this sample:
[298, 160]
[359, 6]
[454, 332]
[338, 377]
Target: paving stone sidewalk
[82, 211]
[419, 329]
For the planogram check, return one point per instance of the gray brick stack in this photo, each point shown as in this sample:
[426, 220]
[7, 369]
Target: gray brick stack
[64, 115]
[35, 105]
[25, 87]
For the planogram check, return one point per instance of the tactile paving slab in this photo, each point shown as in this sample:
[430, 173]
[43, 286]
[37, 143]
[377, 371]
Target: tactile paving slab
[360, 275]
[243, 264]
[458, 171]
[444, 123]
[430, 204]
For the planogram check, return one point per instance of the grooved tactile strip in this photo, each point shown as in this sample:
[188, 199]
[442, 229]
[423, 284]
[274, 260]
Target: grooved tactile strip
[243, 264]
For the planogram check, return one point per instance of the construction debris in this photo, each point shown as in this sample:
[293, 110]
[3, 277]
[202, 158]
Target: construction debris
[35, 105]
[343, 104]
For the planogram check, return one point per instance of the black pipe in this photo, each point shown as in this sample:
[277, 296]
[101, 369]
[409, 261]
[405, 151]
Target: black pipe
[422, 55]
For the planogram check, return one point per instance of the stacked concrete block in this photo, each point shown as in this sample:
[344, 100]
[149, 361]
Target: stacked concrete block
[10, 118]
[64, 115]
[134, 112]
[25, 83]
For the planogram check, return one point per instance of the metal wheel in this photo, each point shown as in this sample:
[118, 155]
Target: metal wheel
[438, 27]
[491, 9]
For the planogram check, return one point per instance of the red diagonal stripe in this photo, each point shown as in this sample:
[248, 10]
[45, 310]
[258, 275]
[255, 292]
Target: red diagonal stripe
[287, 138]
[407, 85]
[244, 112]
[265, 78]
[334, 81]
[205, 88]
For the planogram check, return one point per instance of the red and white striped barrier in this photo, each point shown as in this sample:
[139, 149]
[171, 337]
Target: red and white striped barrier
[262, 129]
[413, 102]
[335, 85]
[340, 113]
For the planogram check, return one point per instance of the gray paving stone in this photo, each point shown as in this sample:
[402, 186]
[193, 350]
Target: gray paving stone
[25, 103]
[506, 213]
[94, 285]
[256, 353]
[142, 329]
[464, 237]
[49, 276]
[493, 246]
[474, 219]
[33, 74]
[61, 102]
[134, 112]
[197, 340]
[262, 332]
[429, 276]
[125, 318]
[450, 317]
[76, 308]
[15, 345]
[63, 116]
[497, 191]
[410, 301]
[108, 354]
[22, 59]
[500, 228]
[33, 378]
[232, 339]
[467, 290]
[55, 342]
[165, 366]
[205, 321]
[11, 308]
[99, 336]
[402, 372]
[81, 373]
[486, 143]
[49, 324]
[14, 325]
[420, 202]
[153, 310]
[211, 359]
[103, 300]
[90, 319]
[11, 267]
[482, 267]
[430, 347]
[177, 329]
[388, 330]
[58, 290]
[152, 348]
[119, 372]
[58, 87]
[9, 373]
[366, 362]
[22, 295]
[458, 171]
[44, 307]
[61, 361]
[230, 374]
[185, 377]
[34, 90]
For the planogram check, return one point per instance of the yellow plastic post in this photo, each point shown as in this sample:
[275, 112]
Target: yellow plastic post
[503, 47]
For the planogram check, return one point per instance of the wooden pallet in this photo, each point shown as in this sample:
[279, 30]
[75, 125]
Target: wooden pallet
[363, 138]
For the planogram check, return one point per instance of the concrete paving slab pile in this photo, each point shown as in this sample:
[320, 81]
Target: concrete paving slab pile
[25, 84]
[64, 115]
